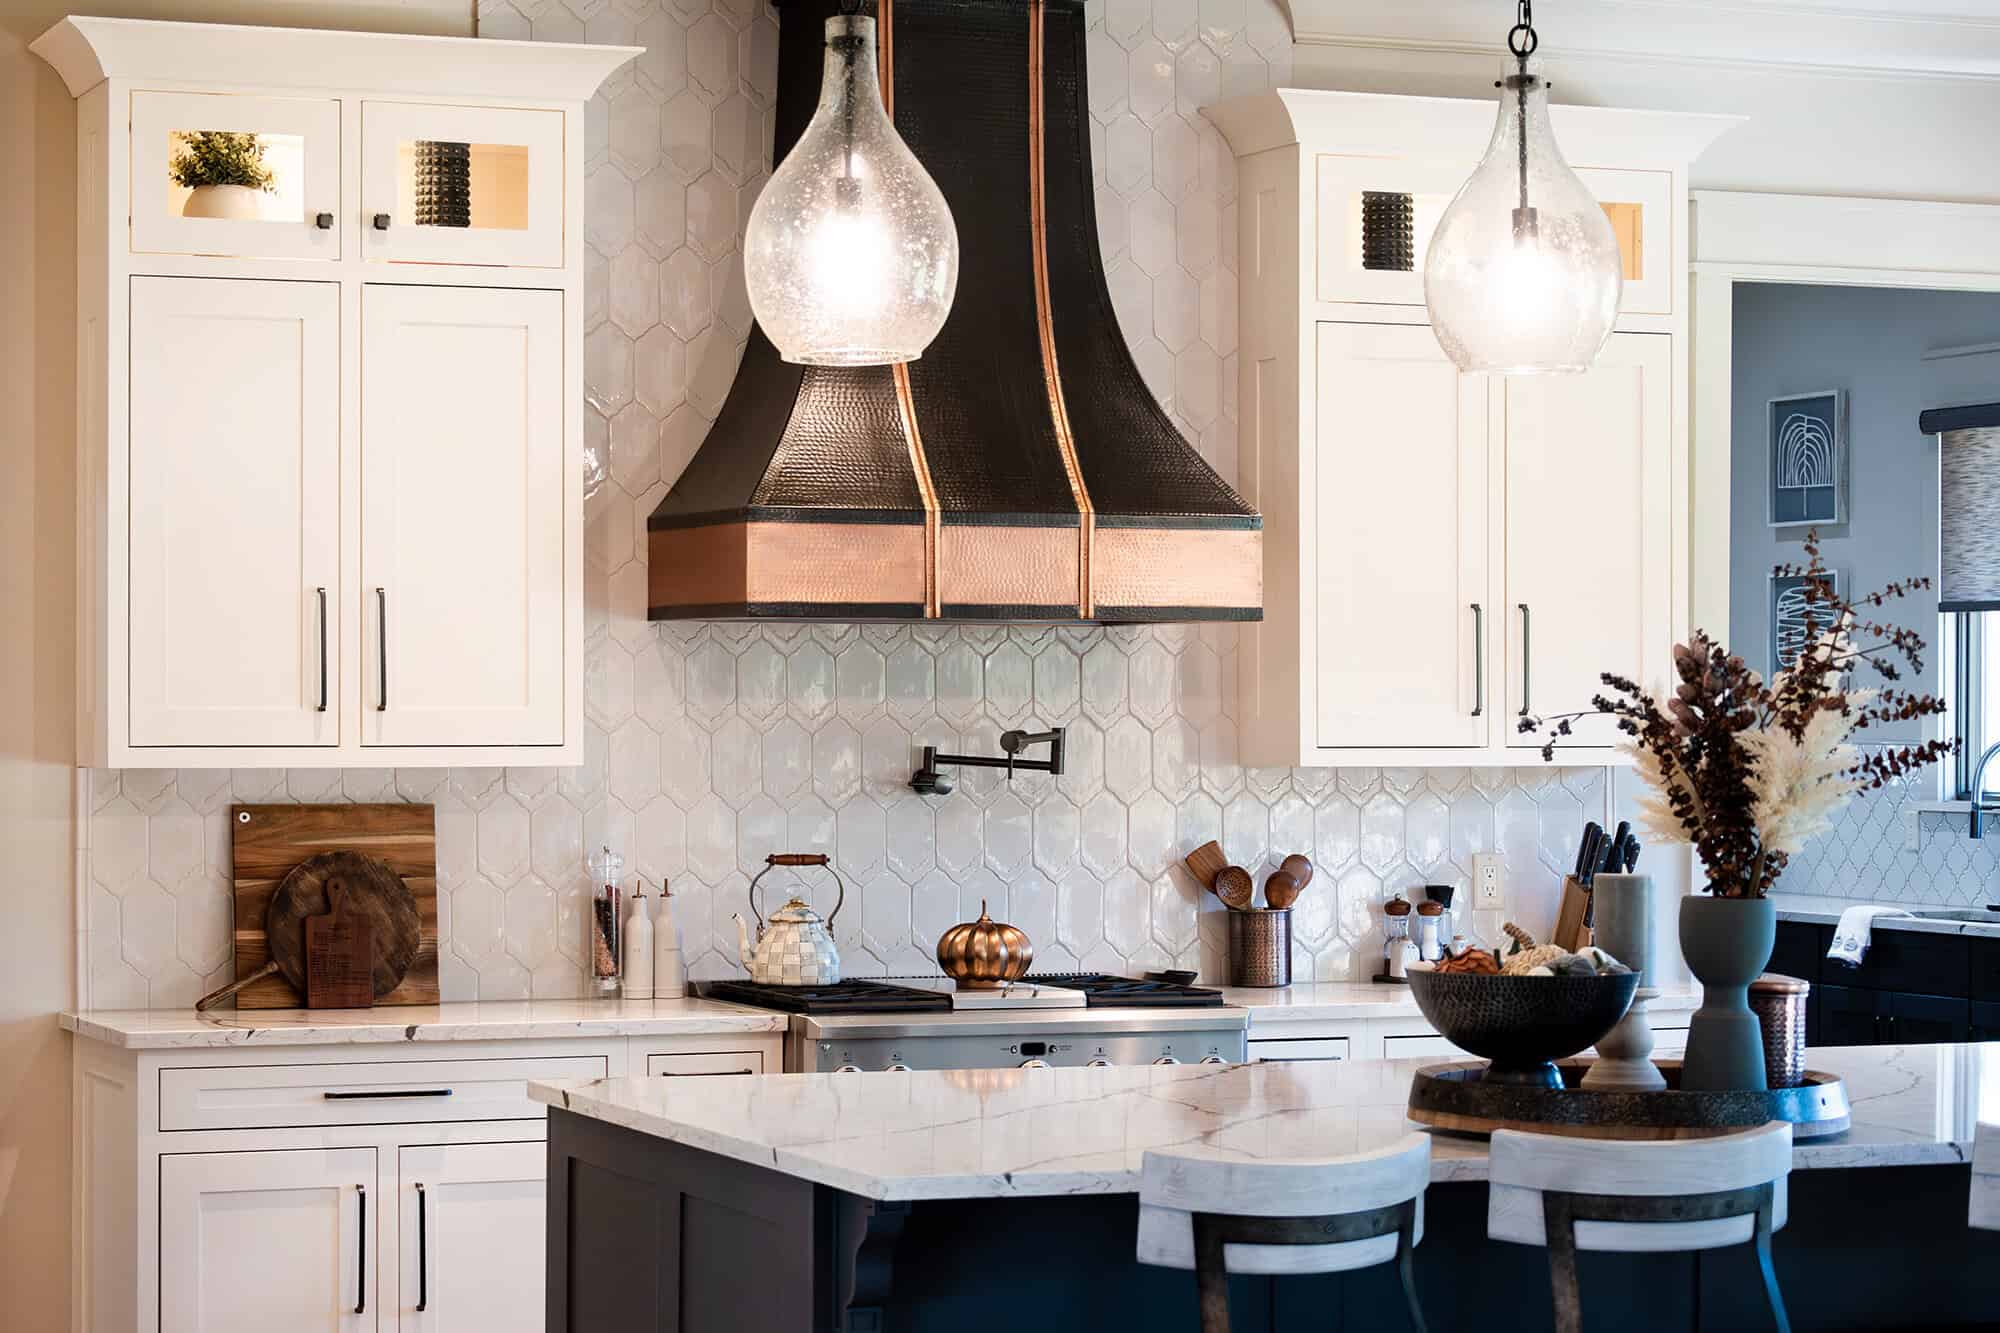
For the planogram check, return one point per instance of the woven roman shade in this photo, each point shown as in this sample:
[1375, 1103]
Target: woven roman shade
[1968, 505]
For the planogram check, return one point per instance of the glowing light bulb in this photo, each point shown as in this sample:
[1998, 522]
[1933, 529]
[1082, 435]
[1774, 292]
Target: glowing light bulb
[851, 255]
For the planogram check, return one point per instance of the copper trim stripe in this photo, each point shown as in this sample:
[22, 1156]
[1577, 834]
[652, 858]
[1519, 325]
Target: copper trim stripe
[1051, 372]
[885, 46]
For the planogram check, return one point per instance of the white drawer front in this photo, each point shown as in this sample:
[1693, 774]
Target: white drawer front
[1403, 1048]
[387, 1092]
[704, 1062]
[1303, 1048]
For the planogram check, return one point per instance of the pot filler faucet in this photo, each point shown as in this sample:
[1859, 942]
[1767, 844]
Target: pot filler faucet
[1976, 820]
[927, 781]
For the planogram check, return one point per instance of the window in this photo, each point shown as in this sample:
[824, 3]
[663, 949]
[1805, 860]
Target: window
[1969, 660]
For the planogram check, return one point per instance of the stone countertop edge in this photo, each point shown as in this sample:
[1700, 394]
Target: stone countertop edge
[1826, 911]
[1033, 1133]
[508, 1020]
[1305, 1003]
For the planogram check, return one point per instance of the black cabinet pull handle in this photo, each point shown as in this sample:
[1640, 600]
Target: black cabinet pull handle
[381, 222]
[1527, 657]
[423, 1251]
[361, 1253]
[703, 1073]
[382, 646]
[1478, 659]
[324, 221]
[321, 594]
[385, 1094]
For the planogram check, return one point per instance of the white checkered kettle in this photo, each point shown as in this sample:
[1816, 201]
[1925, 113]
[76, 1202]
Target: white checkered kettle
[795, 948]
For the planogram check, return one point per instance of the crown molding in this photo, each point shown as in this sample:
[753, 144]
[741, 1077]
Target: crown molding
[1946, 38]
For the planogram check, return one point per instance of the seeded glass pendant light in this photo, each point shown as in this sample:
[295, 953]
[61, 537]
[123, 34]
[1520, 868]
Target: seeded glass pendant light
[851, 257]
[1523, 274]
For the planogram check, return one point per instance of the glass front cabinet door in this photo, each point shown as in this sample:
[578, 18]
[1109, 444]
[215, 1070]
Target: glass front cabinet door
[461, 185]
[241, 177]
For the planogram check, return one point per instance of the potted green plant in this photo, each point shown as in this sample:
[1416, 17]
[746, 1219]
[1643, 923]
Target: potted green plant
[223, 172]
[1747, 770]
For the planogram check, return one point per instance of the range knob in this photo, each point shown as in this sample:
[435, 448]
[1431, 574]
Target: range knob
[1098, 1063]
[848, 1069]
[1034, 1064]
[898, 1068]
[1213, 1060]
[1166, 1060]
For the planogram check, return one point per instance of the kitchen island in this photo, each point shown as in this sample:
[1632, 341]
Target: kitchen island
[990, 1199]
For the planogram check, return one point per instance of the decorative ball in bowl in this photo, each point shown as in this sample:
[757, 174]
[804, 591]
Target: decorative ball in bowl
[1522, 1024]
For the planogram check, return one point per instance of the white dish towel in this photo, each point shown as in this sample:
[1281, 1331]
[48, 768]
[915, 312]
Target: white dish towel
[1854, 933]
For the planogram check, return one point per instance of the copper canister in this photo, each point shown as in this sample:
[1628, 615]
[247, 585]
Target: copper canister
[1260, 946]
[1780, 1005]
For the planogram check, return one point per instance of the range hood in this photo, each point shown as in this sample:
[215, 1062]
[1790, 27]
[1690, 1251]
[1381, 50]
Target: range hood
[1020, 470]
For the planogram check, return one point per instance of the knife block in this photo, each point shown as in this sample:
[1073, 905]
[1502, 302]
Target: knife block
[1570, 932]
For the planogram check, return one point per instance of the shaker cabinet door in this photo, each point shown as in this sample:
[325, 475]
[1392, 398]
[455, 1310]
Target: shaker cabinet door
[198, 158]
[1399, 600]
[473, 1233]
[234, 476]
[252, 1242]
[463, 495]
[461, 184]
[1589, 503]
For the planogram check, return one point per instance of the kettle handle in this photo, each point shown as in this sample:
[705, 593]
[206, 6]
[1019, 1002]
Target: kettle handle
[776, 859]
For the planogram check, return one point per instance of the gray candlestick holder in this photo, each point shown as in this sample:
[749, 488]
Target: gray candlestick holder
[1622, 917]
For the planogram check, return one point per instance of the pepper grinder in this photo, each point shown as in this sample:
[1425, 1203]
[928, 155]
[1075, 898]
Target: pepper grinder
[670, 980]
[1397, 950]
[1430, 936]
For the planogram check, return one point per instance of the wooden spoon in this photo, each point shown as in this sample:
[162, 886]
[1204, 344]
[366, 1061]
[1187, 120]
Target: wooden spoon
[1299, 868]
[1235, 887]
[1205, 863]
[1280, 890]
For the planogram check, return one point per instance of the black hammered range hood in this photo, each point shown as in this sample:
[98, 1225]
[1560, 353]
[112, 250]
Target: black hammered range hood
[1020, 470]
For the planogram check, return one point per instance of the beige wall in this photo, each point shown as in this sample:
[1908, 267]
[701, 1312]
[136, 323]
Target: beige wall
[37, 624]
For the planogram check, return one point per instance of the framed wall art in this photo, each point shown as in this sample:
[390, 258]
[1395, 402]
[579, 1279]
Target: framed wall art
[1806, 444]
[1788, 617]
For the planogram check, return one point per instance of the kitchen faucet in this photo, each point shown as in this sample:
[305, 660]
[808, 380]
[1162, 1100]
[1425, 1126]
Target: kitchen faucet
[1976, 823]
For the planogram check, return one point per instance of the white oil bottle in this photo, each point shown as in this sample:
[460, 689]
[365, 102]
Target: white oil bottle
[669, 969]
[638, 949]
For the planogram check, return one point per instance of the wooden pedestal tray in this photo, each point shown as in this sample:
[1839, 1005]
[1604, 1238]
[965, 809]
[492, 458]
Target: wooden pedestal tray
[1454, 1097]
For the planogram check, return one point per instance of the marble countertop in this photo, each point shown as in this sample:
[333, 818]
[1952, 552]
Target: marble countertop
[954, 1134]
[1347, 1001]
[1826, 911]
[184, 1029]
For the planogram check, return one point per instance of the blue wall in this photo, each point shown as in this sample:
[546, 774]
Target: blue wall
[1871, 342]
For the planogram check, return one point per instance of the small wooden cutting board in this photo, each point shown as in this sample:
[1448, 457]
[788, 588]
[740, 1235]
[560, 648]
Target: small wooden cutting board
[340, 956]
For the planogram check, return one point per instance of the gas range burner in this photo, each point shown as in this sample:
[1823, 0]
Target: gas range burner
[842, 997]
[1103, 991]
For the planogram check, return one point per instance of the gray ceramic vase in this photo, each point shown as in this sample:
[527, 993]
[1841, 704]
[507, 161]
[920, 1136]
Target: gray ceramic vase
[1727, 942]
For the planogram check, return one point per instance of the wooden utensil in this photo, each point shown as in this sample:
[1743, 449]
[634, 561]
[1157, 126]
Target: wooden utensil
[340, 955]
[1299, 867]
[268, 841]
[1205, 863]
[370, 889]
[1235, 887]
[1280, 889]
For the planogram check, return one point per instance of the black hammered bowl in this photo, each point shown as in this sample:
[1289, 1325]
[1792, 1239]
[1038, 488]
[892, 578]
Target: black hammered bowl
[1522, 1025]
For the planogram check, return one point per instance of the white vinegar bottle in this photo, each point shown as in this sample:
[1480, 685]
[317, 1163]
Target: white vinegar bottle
[669, 969]
[638, 950]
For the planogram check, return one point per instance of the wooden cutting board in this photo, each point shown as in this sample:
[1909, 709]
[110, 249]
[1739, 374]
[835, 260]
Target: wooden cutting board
[268, 840]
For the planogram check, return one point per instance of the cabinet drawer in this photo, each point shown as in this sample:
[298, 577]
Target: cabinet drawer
[389, 1092]
[1800, 949]
[704, 1062]
[1908, 960]
[1303, 1048]
[1670, 1041]
[1404, 1048]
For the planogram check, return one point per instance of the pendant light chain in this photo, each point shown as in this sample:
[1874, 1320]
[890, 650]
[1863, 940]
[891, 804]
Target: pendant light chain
[1522, 40]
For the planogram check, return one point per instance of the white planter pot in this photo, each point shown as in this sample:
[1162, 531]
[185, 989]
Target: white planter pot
[224, 201]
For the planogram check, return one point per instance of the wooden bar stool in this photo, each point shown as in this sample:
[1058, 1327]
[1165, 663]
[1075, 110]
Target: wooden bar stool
[1983, 1210]
[1602, 1194]
[1329, 1216]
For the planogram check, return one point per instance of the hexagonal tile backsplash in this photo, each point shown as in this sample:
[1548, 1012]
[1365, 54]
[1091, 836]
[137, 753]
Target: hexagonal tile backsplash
[711, 745]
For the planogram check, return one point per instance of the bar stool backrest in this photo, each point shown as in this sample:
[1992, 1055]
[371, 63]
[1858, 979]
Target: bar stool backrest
[1525, 1166]
[1175, 1185]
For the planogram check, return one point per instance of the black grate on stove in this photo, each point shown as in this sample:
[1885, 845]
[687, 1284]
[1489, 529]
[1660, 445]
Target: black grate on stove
[842, 997]
[1103, 991]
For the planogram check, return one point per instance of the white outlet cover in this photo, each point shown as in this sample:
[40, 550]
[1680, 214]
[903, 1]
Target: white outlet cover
[1489, 880]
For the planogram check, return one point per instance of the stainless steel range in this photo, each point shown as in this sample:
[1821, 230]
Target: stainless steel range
[1086, 1019]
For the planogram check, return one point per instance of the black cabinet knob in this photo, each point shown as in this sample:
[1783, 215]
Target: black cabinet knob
[381, 222]
[324, 221]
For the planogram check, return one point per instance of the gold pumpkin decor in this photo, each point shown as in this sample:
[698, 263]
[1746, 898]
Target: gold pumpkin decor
[984, 954]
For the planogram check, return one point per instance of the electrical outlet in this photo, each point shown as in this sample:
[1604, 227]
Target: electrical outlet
[1489, 882]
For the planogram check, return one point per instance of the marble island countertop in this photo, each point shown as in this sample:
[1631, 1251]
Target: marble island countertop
[502, 1020]
[1826, 911]
[1339, 1001]
[1017, 1132]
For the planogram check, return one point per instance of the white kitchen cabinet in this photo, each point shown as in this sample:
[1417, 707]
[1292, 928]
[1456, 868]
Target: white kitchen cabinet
[351, 400]
[1589, 543]
[255, 1241]
[1440, 550]
[473, 1229]
[463, 479]
[235, 513]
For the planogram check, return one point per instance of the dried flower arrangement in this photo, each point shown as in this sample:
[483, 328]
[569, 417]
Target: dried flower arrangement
[1747, 771]
[219, 157]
